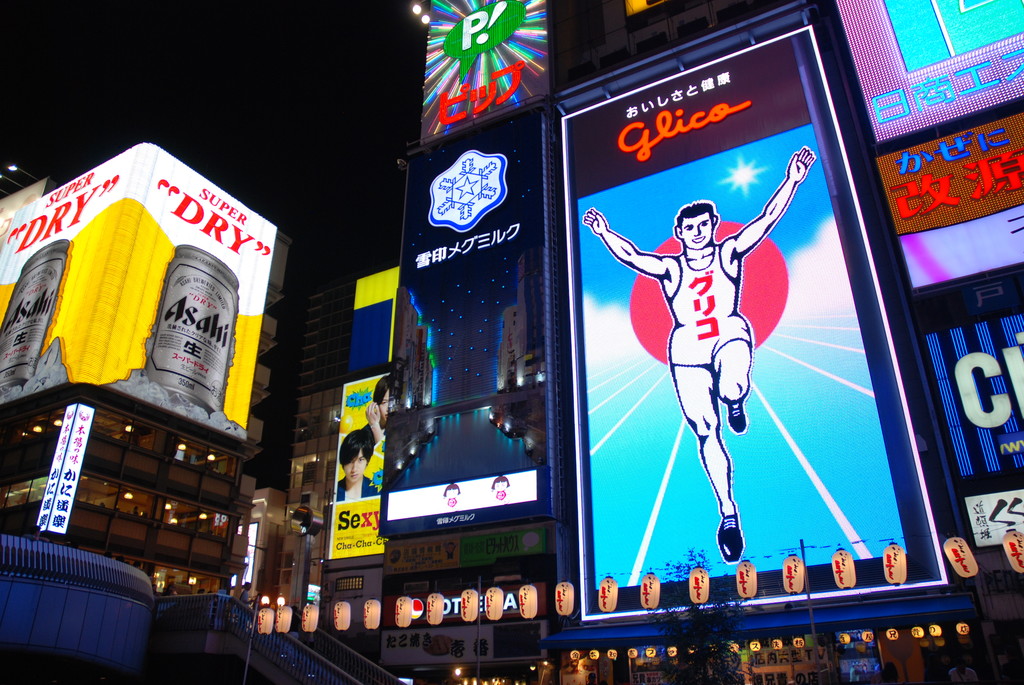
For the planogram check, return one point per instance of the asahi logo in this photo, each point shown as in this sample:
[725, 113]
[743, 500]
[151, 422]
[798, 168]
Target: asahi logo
[182, 313]
[31, 308]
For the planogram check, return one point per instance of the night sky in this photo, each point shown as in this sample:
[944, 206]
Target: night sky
[300, 110]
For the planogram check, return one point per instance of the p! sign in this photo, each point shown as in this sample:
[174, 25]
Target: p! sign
[481, 31]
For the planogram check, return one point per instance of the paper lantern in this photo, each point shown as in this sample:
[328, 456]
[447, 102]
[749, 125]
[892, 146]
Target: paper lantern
[565, 598]
[935, 630]
[650, 591]
[310, 618]
[284, 619]
[435, 608]
[494, 601]
[608, 595]
[528, 601]
[755, 646]
[403, 611]
[793, 572]
[469, 607]
[843, 570]
[917, 631]
[594, 655]
[371, 614]
[265, 621]
[894, 560]
[746, 580]
[699, 585]
[1013, 545]
[963, 629]
[342, 615]
[613, 654]
[960, 557]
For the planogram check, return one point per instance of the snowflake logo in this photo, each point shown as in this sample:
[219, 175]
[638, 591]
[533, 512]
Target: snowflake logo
[462, 194]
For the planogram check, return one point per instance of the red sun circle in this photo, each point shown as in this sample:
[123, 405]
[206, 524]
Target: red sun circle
[763, 295]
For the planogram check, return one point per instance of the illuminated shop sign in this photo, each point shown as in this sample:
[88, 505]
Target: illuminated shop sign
[482, 58]
[355, 524]
[979, 373]
[143, 277]
[470, 550]
[447, 644]
[716, 324]
[65, 469]
[992, 515]
[956, 201]
[921, 63]
[468, 402]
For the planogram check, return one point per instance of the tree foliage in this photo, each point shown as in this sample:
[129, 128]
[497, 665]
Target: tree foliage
[704, 634]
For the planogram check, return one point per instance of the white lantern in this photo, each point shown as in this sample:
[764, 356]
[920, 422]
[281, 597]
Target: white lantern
[843, 570]
[265, 621]
[435, 608]
[699, 585]
[470, 605]
[494, 601]
[528, 601]
[793, 574]
[403, 611]
[565, 598]
[650, 591]
[608, 595]
[342, 615]
[310, 618]
[284, 619]
[371, 614]
[1013, 545]
[960, 557]
[894, 561]
[746, 580]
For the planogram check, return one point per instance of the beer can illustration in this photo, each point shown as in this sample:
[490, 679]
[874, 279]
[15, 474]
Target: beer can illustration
[193, 339]
[29, 313]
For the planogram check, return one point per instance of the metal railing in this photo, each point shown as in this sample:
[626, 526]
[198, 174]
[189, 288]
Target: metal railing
[329, 661]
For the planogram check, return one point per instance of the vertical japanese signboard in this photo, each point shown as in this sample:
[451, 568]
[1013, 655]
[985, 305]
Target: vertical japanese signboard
[62, 483]
[956, 202]
[716, 323]
[364, 417]
[467, 431]
[482, 58]
[141, 276]
[922, 62]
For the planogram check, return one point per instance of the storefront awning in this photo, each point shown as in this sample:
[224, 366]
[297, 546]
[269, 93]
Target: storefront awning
[875, 614]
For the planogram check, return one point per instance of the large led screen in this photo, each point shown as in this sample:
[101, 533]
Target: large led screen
[979, 375]
[922, 62]
[467, 430]
[956, 201]
[143, 277]
[735, 393]
[362, 428]
[483, 58]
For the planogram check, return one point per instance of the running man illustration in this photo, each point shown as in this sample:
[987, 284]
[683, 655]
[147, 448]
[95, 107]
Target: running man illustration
[710, 349]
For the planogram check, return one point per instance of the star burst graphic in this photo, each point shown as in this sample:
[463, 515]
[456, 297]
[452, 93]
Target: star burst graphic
[743, 175]
[527, 44]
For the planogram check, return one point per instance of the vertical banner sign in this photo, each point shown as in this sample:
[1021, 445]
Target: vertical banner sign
[468, 425]
[956, 201]
[482, 58]
[143, 277]
[62, 483]
[715, 324]
[923, 62]
[361, 440]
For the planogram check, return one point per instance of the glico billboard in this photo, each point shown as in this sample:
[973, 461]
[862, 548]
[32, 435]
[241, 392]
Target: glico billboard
[355, 527]
[482, 58]
[923, 62]
[956, 201]
[736, 390]
[467, 430]
[143, 277]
